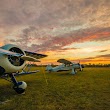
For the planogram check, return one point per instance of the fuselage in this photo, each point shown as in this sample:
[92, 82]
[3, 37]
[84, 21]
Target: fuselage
[64, 67]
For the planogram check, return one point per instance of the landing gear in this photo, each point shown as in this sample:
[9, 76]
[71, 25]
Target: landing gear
[73, 71]
[18, 90]
[19, 87]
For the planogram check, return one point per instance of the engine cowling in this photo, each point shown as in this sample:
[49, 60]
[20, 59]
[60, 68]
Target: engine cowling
[11, 63]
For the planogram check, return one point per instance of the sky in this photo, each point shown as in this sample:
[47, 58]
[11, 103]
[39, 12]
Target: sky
[77, 30]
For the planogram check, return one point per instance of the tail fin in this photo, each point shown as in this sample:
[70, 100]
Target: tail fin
[48, 68]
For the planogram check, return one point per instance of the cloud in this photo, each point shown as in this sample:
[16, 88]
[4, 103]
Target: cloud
[97, 59]
[48, 12]
[104, 56]
[98, 56]
[33, 38]
[103, 51]
[51, 25]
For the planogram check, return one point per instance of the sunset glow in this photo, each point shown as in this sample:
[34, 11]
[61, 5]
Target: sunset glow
[70, 29]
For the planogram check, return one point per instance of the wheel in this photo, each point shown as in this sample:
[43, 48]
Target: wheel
[19, 90]
[20, 87]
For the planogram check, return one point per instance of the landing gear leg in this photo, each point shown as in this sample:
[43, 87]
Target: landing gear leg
[73, 71]
[19, 87]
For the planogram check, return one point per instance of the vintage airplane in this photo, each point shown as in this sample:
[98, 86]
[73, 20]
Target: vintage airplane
[66, 66]
[12, 60]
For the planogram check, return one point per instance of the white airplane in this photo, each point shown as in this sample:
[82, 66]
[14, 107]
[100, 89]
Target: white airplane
[66, 66]
[12, 60]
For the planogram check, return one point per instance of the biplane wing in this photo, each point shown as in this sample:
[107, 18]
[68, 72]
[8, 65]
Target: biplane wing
[64, 61]
[24, 57]
[29, 58]
[6, 52]
[35, 55]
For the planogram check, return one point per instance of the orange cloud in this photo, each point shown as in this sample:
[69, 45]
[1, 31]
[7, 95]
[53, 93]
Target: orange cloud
[1, 41]
[104, 59]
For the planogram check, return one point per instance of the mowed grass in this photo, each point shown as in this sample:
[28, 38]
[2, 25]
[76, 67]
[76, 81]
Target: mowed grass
[87, 90]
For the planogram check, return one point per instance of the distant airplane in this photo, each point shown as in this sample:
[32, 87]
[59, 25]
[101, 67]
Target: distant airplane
[12, 60]
[66, 66]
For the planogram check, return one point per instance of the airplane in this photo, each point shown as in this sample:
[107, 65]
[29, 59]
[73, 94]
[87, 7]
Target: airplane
[12, 61]
[66, 66]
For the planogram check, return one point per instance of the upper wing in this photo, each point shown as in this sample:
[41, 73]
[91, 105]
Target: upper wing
[64, 61]
[6, 52]
[35, 55]
[30, 56]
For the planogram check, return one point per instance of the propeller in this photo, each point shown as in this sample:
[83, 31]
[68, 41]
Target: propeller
[16, 60]
[19, 60]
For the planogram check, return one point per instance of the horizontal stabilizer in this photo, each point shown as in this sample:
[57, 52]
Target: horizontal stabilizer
[29, 58]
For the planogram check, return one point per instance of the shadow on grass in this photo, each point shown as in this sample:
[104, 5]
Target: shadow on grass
[66, 74]
[6, 92]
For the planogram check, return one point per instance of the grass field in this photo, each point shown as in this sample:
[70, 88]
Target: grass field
[87, 90]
